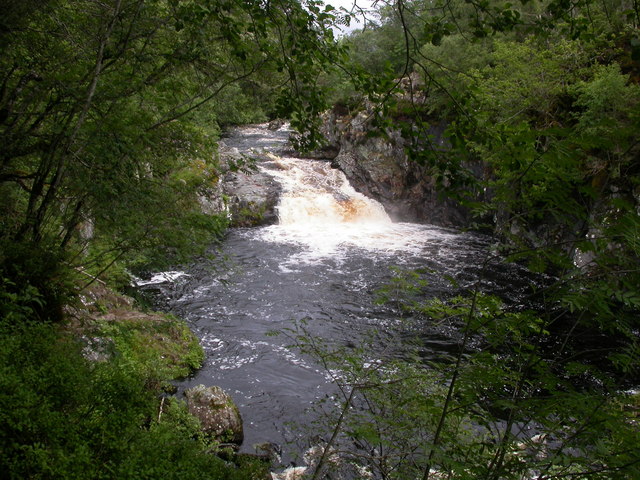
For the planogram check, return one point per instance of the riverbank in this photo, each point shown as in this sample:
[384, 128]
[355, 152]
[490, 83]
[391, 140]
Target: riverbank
[110, 324]
[88, 397]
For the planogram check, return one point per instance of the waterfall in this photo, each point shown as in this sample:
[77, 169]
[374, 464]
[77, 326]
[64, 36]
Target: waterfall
[320, 211]
[316, 195]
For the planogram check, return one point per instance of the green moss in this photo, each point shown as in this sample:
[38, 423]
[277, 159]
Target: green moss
[157, 344]
[250, 216]
[63, 416]
[80, 399]
[162, 344]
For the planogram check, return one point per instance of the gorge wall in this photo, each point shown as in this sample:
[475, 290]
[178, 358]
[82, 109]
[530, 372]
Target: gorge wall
[379, 168]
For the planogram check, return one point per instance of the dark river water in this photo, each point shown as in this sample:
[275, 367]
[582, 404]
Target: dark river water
[323, 264]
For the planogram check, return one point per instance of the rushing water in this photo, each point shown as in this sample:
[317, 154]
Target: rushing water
[323, 264]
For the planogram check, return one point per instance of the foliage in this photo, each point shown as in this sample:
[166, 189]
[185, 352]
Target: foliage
[541, 106]
[109, 117]
[250, 215]
[65, 417]
[510, 408]
[110, 113]
[162, 344]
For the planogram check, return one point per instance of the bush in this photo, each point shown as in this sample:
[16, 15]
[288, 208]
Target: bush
[64, 417]
[35, 278]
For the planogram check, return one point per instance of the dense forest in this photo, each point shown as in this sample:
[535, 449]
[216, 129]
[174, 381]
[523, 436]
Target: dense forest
[110, 117]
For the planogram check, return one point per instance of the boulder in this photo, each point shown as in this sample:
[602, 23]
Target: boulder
[97, 349]
[218, 414]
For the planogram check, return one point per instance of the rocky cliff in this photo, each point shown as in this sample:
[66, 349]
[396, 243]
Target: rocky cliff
[379, 168]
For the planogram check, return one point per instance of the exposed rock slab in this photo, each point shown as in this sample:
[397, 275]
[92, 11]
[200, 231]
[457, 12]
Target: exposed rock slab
[251, 195]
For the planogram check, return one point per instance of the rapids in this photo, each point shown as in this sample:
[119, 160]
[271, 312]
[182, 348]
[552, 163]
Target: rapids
[323, 264]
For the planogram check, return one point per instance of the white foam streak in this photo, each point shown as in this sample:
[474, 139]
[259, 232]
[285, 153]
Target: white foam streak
[335, 240]
[161, 277]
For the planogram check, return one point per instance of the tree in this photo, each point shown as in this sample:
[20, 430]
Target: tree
[110, 113]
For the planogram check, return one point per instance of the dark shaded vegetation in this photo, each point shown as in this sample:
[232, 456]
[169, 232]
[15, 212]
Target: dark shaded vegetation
[110, 114]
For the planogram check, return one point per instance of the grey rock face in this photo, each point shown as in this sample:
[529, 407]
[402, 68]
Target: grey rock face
[251, 198]
[250, 195]
[379, 168]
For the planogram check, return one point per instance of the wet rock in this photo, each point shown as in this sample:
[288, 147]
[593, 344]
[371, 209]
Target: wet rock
[378, 167]
[291, 473]
[323, 464]
[248, 195]
[251, 195]
[97, 349]
[276, 124]
[211, 200]
[269, 452]
[218, 414]
[251, 198]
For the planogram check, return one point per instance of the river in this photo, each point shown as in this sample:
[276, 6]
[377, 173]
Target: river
[323, 264]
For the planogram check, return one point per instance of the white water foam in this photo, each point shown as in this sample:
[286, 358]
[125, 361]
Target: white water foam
[335, 240]
[161, 277]
[316, 194]
[320, 211]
